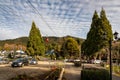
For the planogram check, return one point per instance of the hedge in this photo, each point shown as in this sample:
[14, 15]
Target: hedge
[94, 74]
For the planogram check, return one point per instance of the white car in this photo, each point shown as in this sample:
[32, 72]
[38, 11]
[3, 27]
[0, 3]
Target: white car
[76, 60]
[97, 61]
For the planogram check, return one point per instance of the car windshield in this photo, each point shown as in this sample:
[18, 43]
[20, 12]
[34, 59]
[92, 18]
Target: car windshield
[0, 59]
[18, 60]
[33, 59]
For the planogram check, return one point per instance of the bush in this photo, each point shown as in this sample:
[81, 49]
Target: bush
[116, 69]
[102, 64]
[23, 77]
[53, 75]
[50, 75]
[94, 74]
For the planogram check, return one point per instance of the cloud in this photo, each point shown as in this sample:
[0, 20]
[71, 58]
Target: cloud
[9, 34]
[54, 17]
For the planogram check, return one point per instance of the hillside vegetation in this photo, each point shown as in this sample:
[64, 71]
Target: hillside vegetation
[22, 41]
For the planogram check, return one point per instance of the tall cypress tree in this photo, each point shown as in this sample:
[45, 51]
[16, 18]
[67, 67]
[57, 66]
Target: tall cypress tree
[106, 26]
[95, 38]
[89, 46]
[35, 45]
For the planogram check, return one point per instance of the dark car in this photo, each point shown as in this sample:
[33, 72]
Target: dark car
[20, 62]
[33, 61]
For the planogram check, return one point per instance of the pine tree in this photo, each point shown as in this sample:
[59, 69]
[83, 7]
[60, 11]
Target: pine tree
[106, 25]
[35, 45]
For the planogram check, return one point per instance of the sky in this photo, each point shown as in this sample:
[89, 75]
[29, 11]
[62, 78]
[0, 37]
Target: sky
[54, 17]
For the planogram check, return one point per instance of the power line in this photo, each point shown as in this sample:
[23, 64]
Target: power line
[41, 16]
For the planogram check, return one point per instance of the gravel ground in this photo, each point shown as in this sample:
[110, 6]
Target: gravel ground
[7, 72]
[71, 72]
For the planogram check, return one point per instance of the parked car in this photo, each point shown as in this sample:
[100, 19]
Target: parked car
[97, 61]
[4, 61]
[20, 62]
[77, 60]
[33, 61]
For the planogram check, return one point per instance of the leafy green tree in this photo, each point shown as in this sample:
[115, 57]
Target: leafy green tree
[96, 38]
[35, 45]
[70, 48]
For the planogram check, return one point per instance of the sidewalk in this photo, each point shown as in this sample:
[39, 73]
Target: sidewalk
[115, 77]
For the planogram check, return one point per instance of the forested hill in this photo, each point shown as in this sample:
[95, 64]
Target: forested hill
[20, 40]
[23, 40]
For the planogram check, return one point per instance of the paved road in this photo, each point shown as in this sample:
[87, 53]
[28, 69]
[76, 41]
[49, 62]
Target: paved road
[114, 77]
[72, 72]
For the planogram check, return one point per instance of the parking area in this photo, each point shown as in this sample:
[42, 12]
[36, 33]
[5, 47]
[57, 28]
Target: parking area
[7, 72]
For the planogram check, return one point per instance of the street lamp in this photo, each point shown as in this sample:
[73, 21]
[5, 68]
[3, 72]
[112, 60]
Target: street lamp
[110, 48]
[110, 57]
[116, 35]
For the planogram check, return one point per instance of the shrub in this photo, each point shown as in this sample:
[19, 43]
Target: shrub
[50, 75]
[23, 77]
[94, 74]
[116, 69]
[102, 64]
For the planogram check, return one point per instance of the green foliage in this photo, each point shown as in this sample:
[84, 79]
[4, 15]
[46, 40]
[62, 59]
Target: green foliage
[53, 43]
[106, 25]
[96, 39]
[23, 77]
[116, 69]
[70, 48]
[20, 40]
[35, 45]
[94, 74]
[54, 75]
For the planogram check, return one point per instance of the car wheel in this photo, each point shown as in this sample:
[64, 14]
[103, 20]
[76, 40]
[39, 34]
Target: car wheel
[12, 66]
[22, 65]
[27, 64]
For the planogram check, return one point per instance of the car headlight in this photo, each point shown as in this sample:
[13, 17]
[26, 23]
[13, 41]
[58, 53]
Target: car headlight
[20, 63]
